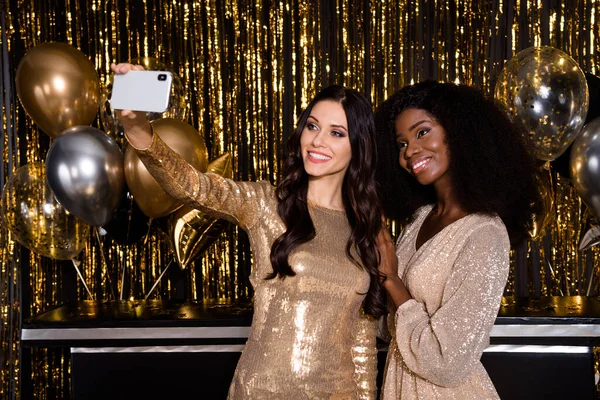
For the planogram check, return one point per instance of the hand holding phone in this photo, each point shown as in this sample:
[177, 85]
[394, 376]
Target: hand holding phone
[136, 127]
[147, 91]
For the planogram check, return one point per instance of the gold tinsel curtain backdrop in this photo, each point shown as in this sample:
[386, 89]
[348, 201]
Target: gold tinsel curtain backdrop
[247, 69]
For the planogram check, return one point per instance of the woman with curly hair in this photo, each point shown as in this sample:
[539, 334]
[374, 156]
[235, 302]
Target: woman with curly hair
[471, 184]
[315, 273]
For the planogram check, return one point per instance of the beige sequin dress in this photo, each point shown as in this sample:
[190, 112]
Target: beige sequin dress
[456, 280]
[309, 338]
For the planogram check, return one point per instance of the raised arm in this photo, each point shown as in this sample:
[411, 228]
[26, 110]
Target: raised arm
[239, 202]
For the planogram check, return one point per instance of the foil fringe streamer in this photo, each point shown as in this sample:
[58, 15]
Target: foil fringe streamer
[249, 67]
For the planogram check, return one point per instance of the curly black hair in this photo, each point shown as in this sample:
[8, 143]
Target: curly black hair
[491, 164]
[359, 195]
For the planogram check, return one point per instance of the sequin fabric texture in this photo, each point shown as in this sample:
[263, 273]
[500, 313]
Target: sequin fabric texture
[456, 280]
[309, 338]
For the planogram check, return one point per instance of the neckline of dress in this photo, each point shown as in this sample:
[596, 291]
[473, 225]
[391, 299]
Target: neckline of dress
[422, 217]
[331, 210]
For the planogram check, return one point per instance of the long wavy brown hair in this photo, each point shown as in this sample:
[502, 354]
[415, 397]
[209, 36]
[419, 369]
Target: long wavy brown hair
[359, 195]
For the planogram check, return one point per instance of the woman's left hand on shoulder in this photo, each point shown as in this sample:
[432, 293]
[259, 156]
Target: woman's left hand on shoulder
[388, 262]
[388, 269]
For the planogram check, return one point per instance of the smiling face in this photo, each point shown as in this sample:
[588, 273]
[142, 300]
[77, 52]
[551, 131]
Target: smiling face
[325, 143]
[423, 150]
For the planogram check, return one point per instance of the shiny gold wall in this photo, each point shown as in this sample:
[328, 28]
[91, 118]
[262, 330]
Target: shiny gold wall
[248, 68]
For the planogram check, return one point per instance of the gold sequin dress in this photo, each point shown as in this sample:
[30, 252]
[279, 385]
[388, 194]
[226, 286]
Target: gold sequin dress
[309, 338]
[456, 280]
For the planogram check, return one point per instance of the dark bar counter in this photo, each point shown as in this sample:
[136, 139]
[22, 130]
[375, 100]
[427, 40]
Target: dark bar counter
[539, 347]
[139, 323]
[548, 320]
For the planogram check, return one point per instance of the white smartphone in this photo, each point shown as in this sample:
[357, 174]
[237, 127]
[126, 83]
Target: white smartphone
[147, 91]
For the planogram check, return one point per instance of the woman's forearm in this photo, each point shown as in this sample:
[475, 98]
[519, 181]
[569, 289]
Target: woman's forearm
[397, 291]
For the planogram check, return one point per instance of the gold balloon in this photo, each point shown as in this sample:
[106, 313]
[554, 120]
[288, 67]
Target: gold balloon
[544, 218]
[191, 231]
[37, 220]
[147, 193]
[221, 165]
[58, 87]
[544, 89]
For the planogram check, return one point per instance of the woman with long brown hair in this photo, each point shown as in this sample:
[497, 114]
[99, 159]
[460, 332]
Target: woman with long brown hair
[313, 237]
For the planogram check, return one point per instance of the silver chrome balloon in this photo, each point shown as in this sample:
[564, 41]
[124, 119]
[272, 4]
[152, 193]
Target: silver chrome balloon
[585, 165]
[84, 167]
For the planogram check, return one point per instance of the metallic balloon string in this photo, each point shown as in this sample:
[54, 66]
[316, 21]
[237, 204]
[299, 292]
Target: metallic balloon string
[76, 264]
[123, 267]
[105, 269]
[158, 279]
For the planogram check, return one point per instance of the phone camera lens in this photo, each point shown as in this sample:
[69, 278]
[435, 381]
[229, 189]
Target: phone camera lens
[162, 77]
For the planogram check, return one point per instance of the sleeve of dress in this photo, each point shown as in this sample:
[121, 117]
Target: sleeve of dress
[237, 202]
[443, 348]
[364, 356]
